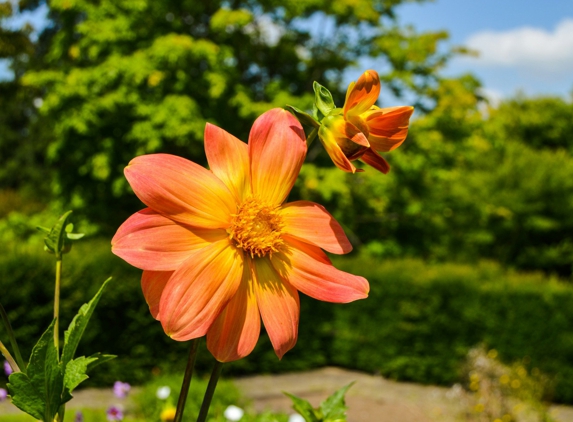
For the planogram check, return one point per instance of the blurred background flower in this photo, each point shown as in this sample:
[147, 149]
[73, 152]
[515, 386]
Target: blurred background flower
[121, 389]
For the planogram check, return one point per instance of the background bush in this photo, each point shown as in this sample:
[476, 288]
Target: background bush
[418, 323]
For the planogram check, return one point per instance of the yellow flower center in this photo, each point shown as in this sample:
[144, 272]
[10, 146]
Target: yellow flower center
[257, 228]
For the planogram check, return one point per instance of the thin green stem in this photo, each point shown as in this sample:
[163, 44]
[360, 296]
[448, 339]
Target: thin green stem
[9, 358]
[210, 391]
[311, 137]
[12, 338]
[57, 303]
[186, 380]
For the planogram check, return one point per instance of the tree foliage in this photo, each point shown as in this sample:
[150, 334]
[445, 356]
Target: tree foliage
[124, 78]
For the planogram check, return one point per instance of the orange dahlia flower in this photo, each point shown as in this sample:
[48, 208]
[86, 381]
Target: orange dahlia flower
[360, 129]
[220, 249]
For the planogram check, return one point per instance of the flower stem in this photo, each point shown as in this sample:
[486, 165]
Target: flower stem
[9, 358]
[12, 338]
[57, 303]
[210, 391]
[311, 137]
[186, 380]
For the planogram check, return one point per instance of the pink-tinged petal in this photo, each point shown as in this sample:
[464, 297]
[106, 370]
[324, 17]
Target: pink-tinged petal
[311, 223]
[181, 190]
[235, 333]
[279, 305]
[328, 138]
[277, 147]
[372, 158]
[152, 285]
[309, 270]
[199, 290]
[362, 94]
[388, 127]
[150, 241]
[228, 159]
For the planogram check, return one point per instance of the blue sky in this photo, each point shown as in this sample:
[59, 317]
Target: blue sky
[524, 45]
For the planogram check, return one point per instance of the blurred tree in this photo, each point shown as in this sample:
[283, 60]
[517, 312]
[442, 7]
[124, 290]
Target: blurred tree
[20, 151]
[462, 189]
[545, 122]
[127, 77]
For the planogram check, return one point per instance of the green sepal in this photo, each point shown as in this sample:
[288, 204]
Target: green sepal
[38, 392]
[303, 117]
[304, 408]
[334, 408]
[323, 102]
[58, 239]
[78, 325]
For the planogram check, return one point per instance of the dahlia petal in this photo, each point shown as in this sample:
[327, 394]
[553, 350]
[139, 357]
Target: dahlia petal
[312, 223]
[277, 147]
[309, 270]
[372, 158]
[388, 127]
[228, 159]
[328, 139]
[152, 285]
[235, 333]
[181, 190]
[150, 241]
[362, 94]
[279, 305]
[199, 290]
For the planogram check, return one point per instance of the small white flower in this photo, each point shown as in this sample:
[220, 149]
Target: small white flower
[233, 413]
[295, 417]
[163, 392]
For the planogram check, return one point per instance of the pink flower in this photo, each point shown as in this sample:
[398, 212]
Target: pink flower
[221, 249]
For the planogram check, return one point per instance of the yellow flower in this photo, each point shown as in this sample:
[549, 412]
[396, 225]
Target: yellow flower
[168, 414]
[360, 129]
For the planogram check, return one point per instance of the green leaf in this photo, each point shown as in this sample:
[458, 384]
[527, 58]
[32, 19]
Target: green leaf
[323, 102]
[334, 407]
[99, 359]
[74, 333]
[39, 391]
[303, 117]
[55, 239]
[304, 408]
[25, 395]
[76, 372]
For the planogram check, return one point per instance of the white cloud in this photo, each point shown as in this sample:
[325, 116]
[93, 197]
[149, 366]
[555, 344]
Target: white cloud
[531, 49]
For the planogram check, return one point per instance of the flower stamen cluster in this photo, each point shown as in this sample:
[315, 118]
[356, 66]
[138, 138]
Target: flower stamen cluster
[257, 228]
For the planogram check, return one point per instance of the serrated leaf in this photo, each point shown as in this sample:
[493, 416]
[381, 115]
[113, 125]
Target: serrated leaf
[334, 408]
[74, 333]
[75, 374]
[77, 371]
[99, 359]
[303, 117]
[55, 239]
[323, 102]
[304, 408]
[25, 396]
[42, 386]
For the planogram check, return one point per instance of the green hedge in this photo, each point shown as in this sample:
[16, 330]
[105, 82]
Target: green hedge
[420, 320]
[418, 323]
